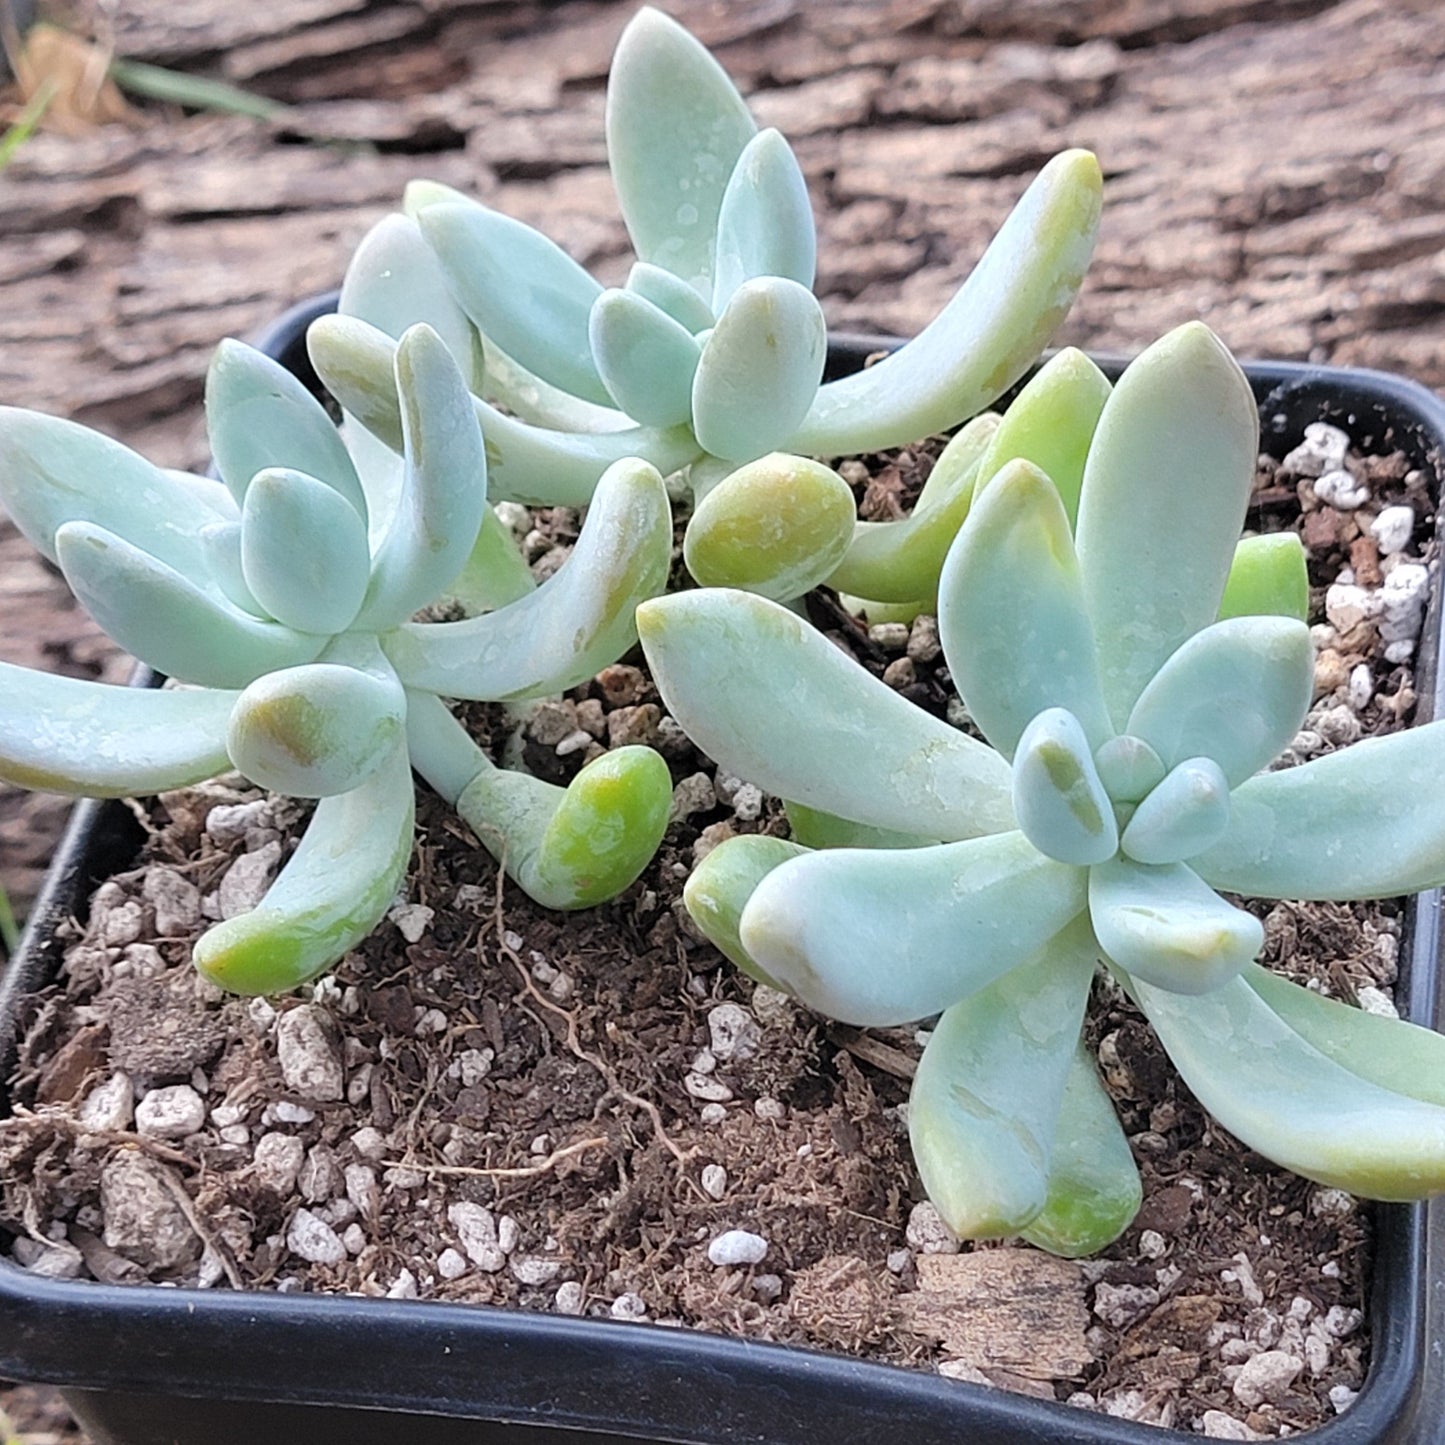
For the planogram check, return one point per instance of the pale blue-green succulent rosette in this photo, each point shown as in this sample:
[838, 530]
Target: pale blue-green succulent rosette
[1130, 713]
[282, 595]
[709, 358]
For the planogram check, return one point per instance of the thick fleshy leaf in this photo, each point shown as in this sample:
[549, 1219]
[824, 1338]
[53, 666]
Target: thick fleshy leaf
[899, 561]
[53, 472]
[1365, 822]
[646, 359]
[985, 1101]
[394, 281]
[208, 490]
[1060, 803]
[1094, 1185]
[222, 543]
[719, 888]
[494, 574]
[444, 490]
[1236, 692]
[578, 846]
[520, 289]
[509, 385]
[760, 370]
[258, 415]
[765, 226]
[578, 621]
[303, 551]
[1268, 578]
[1011, 613]
[524, 463]
[1128, 768]
[672, 294]
[89, 739]
[1276, 1091]
[879, 937]
[769, 697]
[1165, 491]
[777, 526]
[816, 829]
[1390, 1052]
[1187, 812]
[339, 883]
[1051, 423]
[1167, 927]
[675, 129]
[317, 730]
[164, 619]
[987, 336]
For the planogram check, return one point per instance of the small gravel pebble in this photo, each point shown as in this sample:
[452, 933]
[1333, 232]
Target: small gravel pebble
[569, 1298]
[308, 1048]
[310, 1237]
[629, 1306]
[110, 1105]
[1393, 529]
[170, 1113]
[277, 1162]
[714, 1181]
[451, 1264]
[737, 1246]
[928, 1233]
[1266, 1376]
[733, 1032]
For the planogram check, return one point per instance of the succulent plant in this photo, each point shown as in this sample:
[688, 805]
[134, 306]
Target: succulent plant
[710, 358]
[282, 595]
[1121, 785]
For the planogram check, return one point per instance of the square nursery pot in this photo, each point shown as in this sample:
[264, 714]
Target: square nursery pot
[144, 1365]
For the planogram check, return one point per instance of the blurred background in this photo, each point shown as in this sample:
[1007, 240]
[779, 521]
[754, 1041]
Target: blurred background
[173, 174]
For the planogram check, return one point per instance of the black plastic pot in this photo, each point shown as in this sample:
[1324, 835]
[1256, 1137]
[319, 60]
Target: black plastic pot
[144, 1365]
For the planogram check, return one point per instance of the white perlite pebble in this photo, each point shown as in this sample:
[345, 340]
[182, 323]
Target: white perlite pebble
[176, 901]
[898, 1260]
[694, 794]
[748, 803]
[711, 1114]
[706, 1088]
[110, 1105]
[141, 1216]
[768, 1287]
[170, 1113]
[476, 1227]
[451, 1264]
[403, 1286]
[1216, 1425]
[362, 1189]
[629, 1306]
[277, 1162]
[714, 1181]
[735, 1247]
[891, 636]
[1342, 1397]
[1119, 1305]
[412, 920]
[1347, 604]
[310, 1054]
[569, 1298]
[1402, 608]
[1376, 1001]
[771, 1006]
[309, 1236]
[1341, 490]
[928, 1233]
[1393, 528]
[1266, 1376]
[1338, 726]
[1322, 450]
[247, 880]
[1361, 687]
[1342, 1321]
[733, 1032]
[530, 1270]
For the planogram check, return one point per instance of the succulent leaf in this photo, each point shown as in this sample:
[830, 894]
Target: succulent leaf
[1012, 615]
[769, 697]
[1051, 423]
[1236, 692]
[986, 337]
[494, 574]
[317, 730]
[524, 463]
[337, 886]
[444, 490]
[1165, 926]
[759, 370]
[949, 920]
[646, 359]
[1272, 1088]
[675, 129]
[303, 551]
[765, 224]
[1060, 804]
[718, 890]
[221, 542]
[258, 415]
[520, 290]
[1128, 768]
[90, 739]
[578, 621]
[900, 561]
[1165, 491]
[1365, 822]
[671, 294]
[1094, 1185]
[1268, 578]
[163, 618]
[510, 385]
[53, 472]
[985, 1102]
[776, 526]
[816, 829]
[1186, 813]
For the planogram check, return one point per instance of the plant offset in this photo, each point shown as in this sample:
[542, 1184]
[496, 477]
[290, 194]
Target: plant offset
[1120, 787]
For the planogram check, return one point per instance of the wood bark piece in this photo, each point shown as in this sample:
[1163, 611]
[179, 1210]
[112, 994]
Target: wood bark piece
[1015, 1310]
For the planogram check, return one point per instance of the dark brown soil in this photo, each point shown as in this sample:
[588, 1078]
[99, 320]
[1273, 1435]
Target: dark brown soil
[526, 1108]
